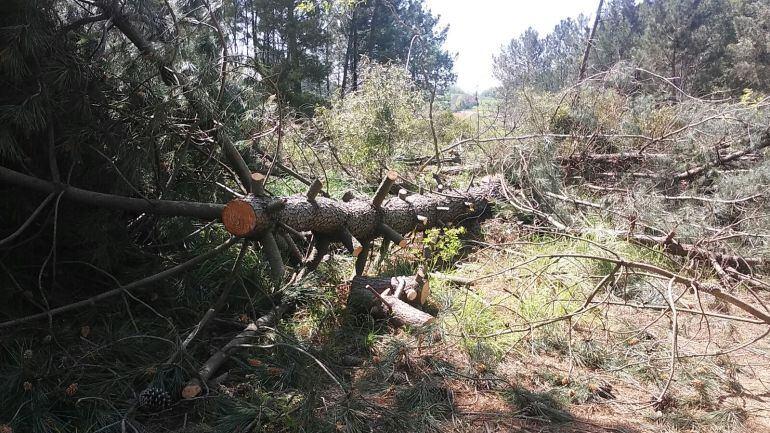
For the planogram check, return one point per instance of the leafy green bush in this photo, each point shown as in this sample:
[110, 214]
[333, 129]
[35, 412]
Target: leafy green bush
[385, 120]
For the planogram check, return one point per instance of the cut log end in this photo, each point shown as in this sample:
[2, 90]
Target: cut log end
[239, 218]
[392, 175]
[192, 389]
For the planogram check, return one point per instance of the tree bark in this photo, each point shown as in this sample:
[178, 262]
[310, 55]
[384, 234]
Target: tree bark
[251, 215]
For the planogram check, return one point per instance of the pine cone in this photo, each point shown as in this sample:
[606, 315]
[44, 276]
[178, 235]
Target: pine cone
[154, 399]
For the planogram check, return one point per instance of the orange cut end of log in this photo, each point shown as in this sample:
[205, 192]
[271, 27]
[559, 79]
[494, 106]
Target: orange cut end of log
[191, 391]
[239, 218]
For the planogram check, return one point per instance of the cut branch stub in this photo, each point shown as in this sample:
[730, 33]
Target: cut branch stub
[384, 188]
[313, 190]
[258, 183]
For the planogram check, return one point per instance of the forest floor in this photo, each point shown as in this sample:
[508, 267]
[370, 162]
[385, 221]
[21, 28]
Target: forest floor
[475, 370]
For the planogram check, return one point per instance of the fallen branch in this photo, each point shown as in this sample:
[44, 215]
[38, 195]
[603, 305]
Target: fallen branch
[669, 244]
[194, 387]
[695, 171]
[204, 211]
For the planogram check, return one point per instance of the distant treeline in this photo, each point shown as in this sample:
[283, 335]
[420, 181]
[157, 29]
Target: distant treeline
[702, 46]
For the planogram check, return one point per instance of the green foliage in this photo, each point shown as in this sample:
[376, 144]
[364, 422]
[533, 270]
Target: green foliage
[704, 46]
[380, 121]
[443, 244]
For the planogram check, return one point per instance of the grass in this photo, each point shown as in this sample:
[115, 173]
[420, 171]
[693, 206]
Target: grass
[545, 406]
[401, 380]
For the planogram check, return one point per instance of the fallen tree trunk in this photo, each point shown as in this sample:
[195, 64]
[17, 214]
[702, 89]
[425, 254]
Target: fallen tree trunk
[354, 217]
[672, 246]
[612, 158]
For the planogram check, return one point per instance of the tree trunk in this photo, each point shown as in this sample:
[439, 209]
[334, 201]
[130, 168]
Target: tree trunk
[339, 221]
[354, 54]
[590, 43]
[252, 215]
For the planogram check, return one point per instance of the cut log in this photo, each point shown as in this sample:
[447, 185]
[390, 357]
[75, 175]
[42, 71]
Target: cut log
[414, 284]
[355, 216]
[385, 305]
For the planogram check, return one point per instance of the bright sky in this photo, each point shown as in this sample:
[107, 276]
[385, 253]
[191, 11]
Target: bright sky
[478, 29]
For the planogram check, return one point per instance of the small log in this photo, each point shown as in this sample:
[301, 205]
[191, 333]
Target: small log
[417, 284]
[365, 299]
[402, 313]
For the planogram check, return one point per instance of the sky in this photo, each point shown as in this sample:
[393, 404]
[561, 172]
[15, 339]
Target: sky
[479, 28]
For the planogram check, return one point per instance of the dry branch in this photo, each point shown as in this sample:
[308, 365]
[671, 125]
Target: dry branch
[194, 387]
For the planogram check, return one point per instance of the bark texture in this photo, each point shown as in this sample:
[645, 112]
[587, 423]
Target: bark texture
[354, 216]
[252, 215]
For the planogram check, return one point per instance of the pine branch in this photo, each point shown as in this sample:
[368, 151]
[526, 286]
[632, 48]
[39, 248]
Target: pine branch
[178, 269]
[204, 211]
